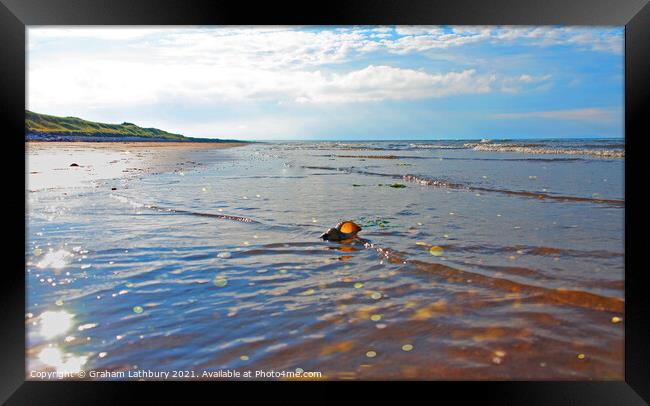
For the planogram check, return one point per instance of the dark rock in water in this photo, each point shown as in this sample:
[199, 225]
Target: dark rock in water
[113, 188]
[343, 231]
[73, 164]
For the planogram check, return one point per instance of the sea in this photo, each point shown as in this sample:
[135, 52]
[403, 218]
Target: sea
[477, 260]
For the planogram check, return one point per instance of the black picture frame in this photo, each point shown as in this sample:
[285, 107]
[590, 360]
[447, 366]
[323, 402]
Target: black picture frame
[15, 15]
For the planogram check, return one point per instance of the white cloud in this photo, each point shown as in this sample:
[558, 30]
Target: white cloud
[107, 83]
[583, 38]
[378, 83]
[429, 37]
[418, 30]
[281, 48]
[524, 81]
[423, 38]
[291, 47]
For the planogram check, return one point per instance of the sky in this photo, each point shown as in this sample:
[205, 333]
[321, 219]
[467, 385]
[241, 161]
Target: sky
[335, 83]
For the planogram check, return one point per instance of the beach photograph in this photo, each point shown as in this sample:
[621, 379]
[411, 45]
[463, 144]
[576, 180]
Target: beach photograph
[325, 203]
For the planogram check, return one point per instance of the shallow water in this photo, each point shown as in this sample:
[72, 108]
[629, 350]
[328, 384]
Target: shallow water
[486, 263]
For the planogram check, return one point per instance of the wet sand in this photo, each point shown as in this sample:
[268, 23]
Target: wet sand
[47, 161]
[200, 259]
[144, 148]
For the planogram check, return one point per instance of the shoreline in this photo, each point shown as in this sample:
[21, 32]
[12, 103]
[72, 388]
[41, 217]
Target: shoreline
[64, 164]
[106, 144]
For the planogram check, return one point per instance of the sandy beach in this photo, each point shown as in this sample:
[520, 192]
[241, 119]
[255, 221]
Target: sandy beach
[141, 144]
[89, 161]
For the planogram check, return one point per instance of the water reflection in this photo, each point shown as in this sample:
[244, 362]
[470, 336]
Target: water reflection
[54, 259]
[54, 323]
[62, 362]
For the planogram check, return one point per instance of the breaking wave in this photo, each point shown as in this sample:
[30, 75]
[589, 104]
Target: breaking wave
[545, 149]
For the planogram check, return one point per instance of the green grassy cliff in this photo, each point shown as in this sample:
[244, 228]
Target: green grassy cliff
[72, 126]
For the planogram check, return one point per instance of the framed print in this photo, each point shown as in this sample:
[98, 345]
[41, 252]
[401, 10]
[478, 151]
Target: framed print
[432, 191]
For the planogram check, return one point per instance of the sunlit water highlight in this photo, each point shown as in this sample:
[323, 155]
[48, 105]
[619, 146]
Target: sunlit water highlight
[486, 263]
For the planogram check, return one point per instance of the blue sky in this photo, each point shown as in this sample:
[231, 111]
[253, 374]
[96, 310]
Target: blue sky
[344, 83]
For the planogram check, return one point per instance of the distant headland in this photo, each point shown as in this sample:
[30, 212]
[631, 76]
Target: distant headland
[43, 127]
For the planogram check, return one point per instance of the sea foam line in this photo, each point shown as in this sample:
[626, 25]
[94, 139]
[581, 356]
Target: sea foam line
[535, 149]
